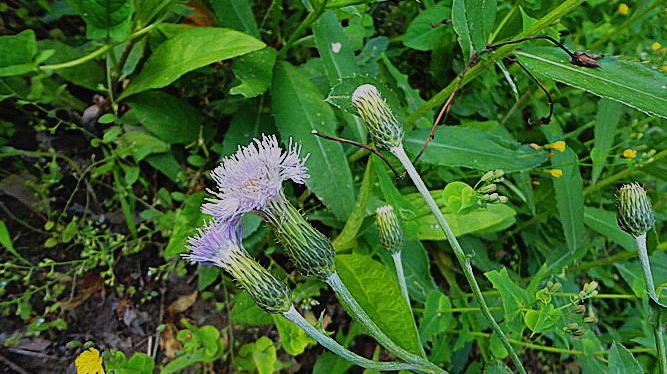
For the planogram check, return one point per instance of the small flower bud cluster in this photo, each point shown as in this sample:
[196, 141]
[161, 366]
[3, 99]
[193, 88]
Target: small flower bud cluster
[574, 330]
[589, 290]
[634, 212]
[389, 229]
[487, 187]
[545, 294]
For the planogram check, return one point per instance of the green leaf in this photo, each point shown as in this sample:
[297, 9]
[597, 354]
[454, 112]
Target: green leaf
[246, 312]
[140, 144]
[292, 338]
[106, 19]
[427, 31]
[458, 197]
[237, 15]
[206, 276]
[299, 109]
[171, 119]
[186, 219]
[264, 355]
[631, 83]
[514, 297]
[88, 75]
[347, 237]
[255, 71]
[377, 292]
[246, 124]
[473, 21]
[543, 320]
[606, 119]
[417, 270]
[337, 55]
[437, 316]
[604, 222]
[6, 241]
[17, 53]
[472, 148]
[497, 367]
[189, 50]
[569, 191]
[621, 361]
[340, 95]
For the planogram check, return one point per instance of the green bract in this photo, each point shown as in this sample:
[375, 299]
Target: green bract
[270, 294]
[635, 215]
[383, 127]
[389, 229]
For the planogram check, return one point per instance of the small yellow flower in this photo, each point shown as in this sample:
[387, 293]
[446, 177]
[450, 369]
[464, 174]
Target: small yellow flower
[623, 9]
[629, 153]
[534, 146]
[663, 68]
[655, 46]
[559, 146]
[556, 173]
[89, 362]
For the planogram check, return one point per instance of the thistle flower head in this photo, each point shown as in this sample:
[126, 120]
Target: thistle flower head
[383, 127]
[249, 179]
[389, 229]
[633, 206]
[220, 244]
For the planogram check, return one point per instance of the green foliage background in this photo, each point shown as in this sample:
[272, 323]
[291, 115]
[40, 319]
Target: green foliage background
[113, 112]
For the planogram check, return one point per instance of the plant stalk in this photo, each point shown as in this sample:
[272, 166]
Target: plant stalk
[464, 261]
[293, 316]
[360, 315]
[398, 264]
[654, 303]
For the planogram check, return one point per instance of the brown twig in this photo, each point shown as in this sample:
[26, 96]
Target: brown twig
[493, 47]
[360, 145]
[543, 120]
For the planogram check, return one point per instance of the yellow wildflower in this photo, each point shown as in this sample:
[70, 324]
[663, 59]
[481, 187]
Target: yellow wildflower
[623, 9]
[556, 173]
[89, 362]
[663, 68]
[559, 146]
[655, 46]
[534, 146]
[629, 153]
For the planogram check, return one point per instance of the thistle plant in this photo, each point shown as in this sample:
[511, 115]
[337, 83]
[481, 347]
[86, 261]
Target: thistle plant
[635, 216]
[220, 245]
[391, 239]
[387, 134]
[251, 181]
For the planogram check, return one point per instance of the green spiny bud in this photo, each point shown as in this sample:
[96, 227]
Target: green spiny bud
[383, 127]
[269, 293]
[310, 251]
[389, 229]
[634, 213]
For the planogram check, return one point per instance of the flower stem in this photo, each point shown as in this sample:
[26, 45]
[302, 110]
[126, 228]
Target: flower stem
[654, 303]
[398, 264]
[464, 261]
[332, 345]
[360, 315]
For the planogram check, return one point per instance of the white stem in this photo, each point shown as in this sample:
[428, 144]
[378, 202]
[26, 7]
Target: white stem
[398, 264]
[646, 266]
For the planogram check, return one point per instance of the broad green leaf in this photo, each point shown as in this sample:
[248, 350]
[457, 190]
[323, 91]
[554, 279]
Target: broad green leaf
[338, 57]
[106, 19]
[341, 93]
[621, 361]
[427, 31]
[140, 144]
[185, 221]
[497, 367]
[378, 294]
[472, 148]
[631, 83]
[543, 320]
[473, 21]
[417, 270]
[255, 71]
[569, 191]
[17, 53]
[237, 15]
[347, 237]
[292, 338]
[149, 10]
[604, 222]
[246, 124]
[514, 297]
[437, 316]
[167, 164]
[206, 275]
[606, 119]
[169, 118]
[189, 50]
[458, 197]
[264, 355]
[299, 109]
[246, 312]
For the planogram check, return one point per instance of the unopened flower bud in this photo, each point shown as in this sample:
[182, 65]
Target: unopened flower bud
[383, 127]
[589, 290]
[489, 188]
[579, 309]
[493, 176]
[553, 287]
[389, 229]
[502, 199]
[590, 319]
[634, 213]
[490, 198]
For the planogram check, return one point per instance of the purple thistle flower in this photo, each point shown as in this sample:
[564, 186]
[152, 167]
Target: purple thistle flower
[249, 179]
[216, 244]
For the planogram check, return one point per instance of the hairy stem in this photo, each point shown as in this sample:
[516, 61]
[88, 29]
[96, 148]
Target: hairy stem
[360, 315]
[293, 316]
[654, 303]
[398, 264]
[464, 261]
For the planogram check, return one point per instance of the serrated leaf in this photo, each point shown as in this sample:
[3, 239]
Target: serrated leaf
[106, 19]
[377, 292]
[472, 148]
[169, 118]
[631, 83]
[189, 50]
[299, 109]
